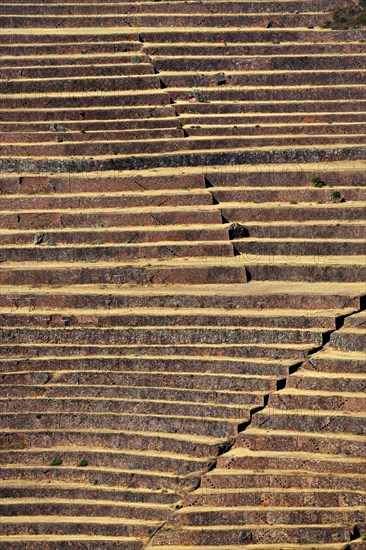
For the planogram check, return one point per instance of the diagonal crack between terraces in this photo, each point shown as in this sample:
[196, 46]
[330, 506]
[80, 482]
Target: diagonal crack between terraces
[242, 427]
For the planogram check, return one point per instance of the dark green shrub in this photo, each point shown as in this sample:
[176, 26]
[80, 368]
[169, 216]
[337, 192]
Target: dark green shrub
[56, 461]
[318, 182]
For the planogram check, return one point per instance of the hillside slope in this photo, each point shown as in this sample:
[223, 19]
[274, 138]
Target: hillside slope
[182, 276]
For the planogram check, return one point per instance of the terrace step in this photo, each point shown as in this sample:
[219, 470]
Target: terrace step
[77, 507]
[165, 145]
[92, 183]
[66, 47]
[107, 147]
[285, 194]
[185, 158]
[116, 122]
[214, 35]
[162, 20]
[129, 252]
[157, 335]
[117, 201]
[55, 7]
[236, 351]
[185, 444]
[110, 477]
[122, 83]
[305, 212]
[76, 525]
[309, 268]
[181, 271]
[214, 426]
[100, 236]
[311, 231]
[262, 179]
[212, 498]
[85, 115]
[305, 420]
[235, 78]
[280, 318]
[229, 536]
[244, 459]
[296, 398]
[257, 439]
[112, 217]
[242, 63]
[211, 517]
[64, 147]
[125, 406]
[261, 383]
[82, 136]
[46, 542]
[333, 361]
[258, 295]
[265, 107]
[350, 339]
[288, 247]
[45, 490]
[281, 479]
[109, 458]
[57, 36]
[243, 49]
[141, 98]
[331, 382]
[267, 129]
[357, 320]
[233, 402]
[121, 67]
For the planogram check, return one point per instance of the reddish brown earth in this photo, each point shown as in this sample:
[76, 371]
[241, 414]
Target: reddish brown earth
[182, 272]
